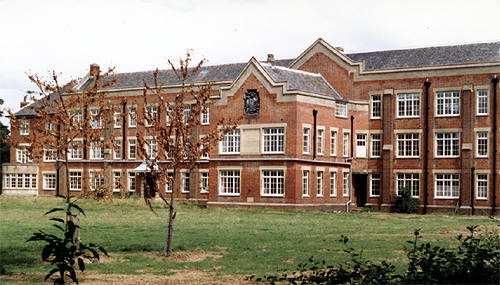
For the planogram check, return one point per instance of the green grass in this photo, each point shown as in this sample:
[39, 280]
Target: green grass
[254, 241]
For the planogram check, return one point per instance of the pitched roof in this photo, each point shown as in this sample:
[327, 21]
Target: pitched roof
[429, 56]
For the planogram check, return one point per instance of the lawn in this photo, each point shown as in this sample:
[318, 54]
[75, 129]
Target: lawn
[213, 241]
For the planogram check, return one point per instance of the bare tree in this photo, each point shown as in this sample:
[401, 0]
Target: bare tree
[172, 130]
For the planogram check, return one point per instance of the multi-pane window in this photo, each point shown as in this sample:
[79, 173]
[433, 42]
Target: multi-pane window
[361, 145]
[408, 145]
[96, 120]
[306, 140]
[447, 185]
[151, 148]
[185, 182]
[49, 181]
[23, 155]
[96, 150]
[131, 182]
[205, 116]
[229, 182]
[169, 113]
[24, 129]
[375, 184]
[117, 149]
[151, 114]
[75, 180]
[305, 183]
[345, 184]
[117, 117]
[482, 186]
[117, 177]
[231, 142]
[50, 126]
[482, 104]
[169, 186]
[333, 184]
[75, 151]
[376, 145]
[319, 184]
[341, 109]
[187, 112]
[273, 183]
[333, 143]
[408, 105]
[96, 179]
[21, 181]
[132, 117]
[76, 117]
[320, 141]
[204, 182]
[274, 140]
[132, 148]
[49, 154]
[345, 146]
[447, 144]
[482, 144]
[376, 107]
[408, 181]
[448, 103]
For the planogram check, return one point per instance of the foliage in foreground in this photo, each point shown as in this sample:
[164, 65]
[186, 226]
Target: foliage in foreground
[475, 261]
[67, 251]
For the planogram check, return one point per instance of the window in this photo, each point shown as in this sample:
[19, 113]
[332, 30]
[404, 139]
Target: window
[75, 151]
[49, 154]
[204, 182]
[447, 144]
[205, 116]
[361, 145]
[229, 182]
[131, 182]
[75, 180]
[96, 179]
[23, 155]
[231, 142]
[320, 141]
[22, 181]
[376, 106]
[151, 148]
[482, 104]
[376, 142]
[49, 181]
[273, 183]
[132, 117]
[76, 118]
[187, 112]
[375, 184]
[345, 146]
[274, 140]
[408, 105]
[410, 181]
[117, 177]
[306, 139]
[151, 115]
[408, 145]
[345, 184]
[185, 182]
[24, 129]
[448, 103]
[117, 149]
[96, 151]
[341, 109]
[482, 186]
[319, 184]
[333, 184]
[333, 143]
[50, 126]
[447, 185]
[96, 120]
[132, 147]
[117, 117]
[482, 144]
[170, 112]
[169, 186]
[305, 183]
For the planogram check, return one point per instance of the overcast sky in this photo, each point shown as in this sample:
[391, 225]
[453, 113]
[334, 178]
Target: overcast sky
[136, 35]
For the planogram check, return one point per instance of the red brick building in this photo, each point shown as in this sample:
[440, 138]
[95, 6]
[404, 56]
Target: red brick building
[324, 130]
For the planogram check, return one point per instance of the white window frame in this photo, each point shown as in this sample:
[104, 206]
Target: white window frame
[376, 107]
[408, 105]
[233, 179]
[320, 140]
[445, 98]
[78, 179]
[306, 140]
[230, 144]
[341, 109]
[333, 183]
[150, 110]
[151, 147]
[187, 113]
[132, 117]
[204, 182]
[273, 142]
[205, 116]
[115, 184]
[373, 145]
[96, 179]
[24, 128]
[482, 94]
[131, 181]
[345, 184]
[478, 139]
[117, 145]
[23, 155]
[361, 150]
[333, 142]
[185, 181]
[75, 153]
[405, 140]
[117, 118]
[94, 113]
[450, 179]
[49, 180]
[375, 177]
[270, 178]
[453, 142]
[134, 144]
[411, 180]
[306, 174]
[169, 184]
[49, 154]
[320, 175]
[484, 187]
[96, 150]
[346, 142]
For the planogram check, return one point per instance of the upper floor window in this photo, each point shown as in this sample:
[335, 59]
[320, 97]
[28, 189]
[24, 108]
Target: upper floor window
[50, 126]
[376, 107]
[151, 148]
[231, 142]
[205, 116]
[341, 109]
[96, 120]
[482, 144]
[132, 117]
[23, 155]
[49, 154]
[482, 104]
[345, 149]
[333, 143]
[75, 150]
[408, 105]
[96, 150]
[375, 145]
[408, 145]
[76, 117]
[187, 112]
[151, 115]
[273, 140]
[361, 145]
[448, 103]
[117, 149]
[306, 138]
[273, 183]
[117, 117]
[320, 141]
[24, 129]
[132, 148]
[447, 144]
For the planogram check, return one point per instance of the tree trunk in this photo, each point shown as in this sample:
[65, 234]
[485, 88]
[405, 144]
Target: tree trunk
[171, 216]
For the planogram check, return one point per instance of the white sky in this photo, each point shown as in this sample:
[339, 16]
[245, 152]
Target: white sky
[136, 35]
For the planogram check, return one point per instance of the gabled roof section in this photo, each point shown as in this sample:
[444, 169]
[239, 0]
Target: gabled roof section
[322, 45]
[31, 109]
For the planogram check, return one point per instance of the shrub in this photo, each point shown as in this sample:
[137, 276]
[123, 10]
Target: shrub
[404, 202]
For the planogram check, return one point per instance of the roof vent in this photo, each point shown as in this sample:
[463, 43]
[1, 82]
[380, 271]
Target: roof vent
[341, 49]
[270, 59]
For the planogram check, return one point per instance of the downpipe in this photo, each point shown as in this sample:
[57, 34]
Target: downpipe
[349, 160]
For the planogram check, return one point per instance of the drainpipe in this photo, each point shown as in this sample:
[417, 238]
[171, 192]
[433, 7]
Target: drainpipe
[349, 160]
[352, 136]
[472, 192]
[315, 113]
[124, 129]
[494, 80]
[427, 84]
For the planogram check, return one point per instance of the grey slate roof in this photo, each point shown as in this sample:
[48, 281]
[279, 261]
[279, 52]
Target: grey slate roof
[301, 80]
[30, 110]
[430, 56]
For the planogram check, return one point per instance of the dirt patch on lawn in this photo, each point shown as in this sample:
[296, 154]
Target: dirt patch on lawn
[194, 255]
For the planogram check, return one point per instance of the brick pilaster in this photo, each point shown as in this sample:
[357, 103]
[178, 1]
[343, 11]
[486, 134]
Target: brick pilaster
[387, 193]
[467, 142]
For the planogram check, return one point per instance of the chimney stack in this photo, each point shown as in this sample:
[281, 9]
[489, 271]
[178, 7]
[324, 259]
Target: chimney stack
[341, 49]
[94, 69]
[24, 103]
[270, 59]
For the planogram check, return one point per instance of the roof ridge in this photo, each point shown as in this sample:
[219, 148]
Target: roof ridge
[422, 48]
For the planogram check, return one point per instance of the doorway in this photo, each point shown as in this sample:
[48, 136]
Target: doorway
[359, 184]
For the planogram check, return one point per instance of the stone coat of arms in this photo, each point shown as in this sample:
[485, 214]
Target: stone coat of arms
[251, 102]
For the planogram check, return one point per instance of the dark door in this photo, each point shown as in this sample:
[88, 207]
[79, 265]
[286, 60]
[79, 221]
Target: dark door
[359, 183]
[150, 180]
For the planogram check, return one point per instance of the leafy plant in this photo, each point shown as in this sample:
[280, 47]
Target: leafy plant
[67, 251]
[405, 203]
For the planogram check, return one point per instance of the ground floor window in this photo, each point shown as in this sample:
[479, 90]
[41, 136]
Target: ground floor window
[117, 181]
[131, 182]
[375, 184]
[345, 184]
[409, 181]
[319, 184]
[169, 186]
[75, 180]
[204, 182]
[305, 183]
[273, 183]
[333, 184]
[185, 182]
[49, 181]
[21, 181]
[96, 179]
[482, 186]
[229, 182]
[447, 185]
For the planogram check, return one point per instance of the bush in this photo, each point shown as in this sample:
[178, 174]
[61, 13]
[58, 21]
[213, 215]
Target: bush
[404, 202]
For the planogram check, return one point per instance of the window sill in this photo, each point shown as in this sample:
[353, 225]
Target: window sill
[407, 157]
[229, 195]
[408, 117]
[457, 156]
[376, 118]
[446, 198]
[481, 199]
[272, 196]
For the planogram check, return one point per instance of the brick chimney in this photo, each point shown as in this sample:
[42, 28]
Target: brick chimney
[94, 69]
[270, 59]
[24, 103]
